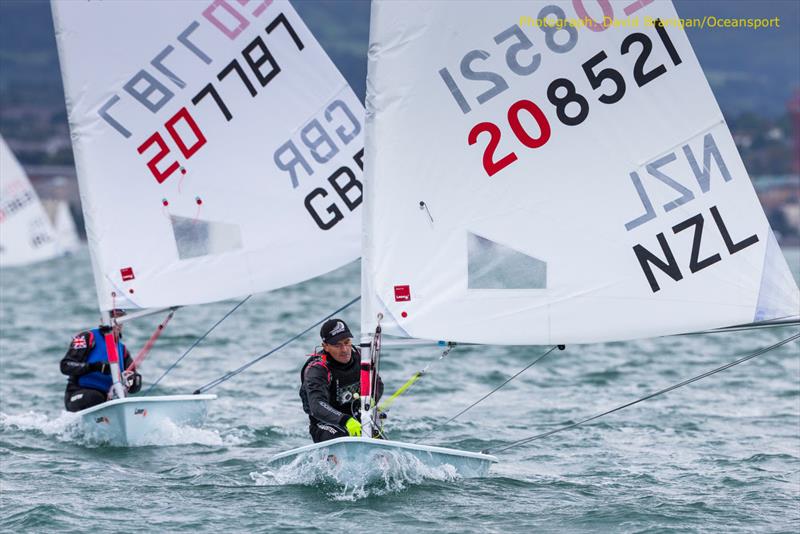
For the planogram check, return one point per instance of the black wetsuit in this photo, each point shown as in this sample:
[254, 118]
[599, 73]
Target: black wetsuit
[74, 365]
[327, 393]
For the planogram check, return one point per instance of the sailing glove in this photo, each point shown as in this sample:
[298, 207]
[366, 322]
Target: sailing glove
[100, 367]
[353, 427]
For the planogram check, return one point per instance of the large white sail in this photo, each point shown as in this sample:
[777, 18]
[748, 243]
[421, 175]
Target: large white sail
[533, 182]
[26, 234]
[218, 148]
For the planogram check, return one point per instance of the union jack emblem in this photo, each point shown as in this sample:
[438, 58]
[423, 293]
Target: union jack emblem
[78, 342]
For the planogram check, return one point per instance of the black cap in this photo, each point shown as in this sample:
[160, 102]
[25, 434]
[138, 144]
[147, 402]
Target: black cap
[334, 330]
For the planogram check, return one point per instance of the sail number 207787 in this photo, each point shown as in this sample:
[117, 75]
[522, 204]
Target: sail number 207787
[571, 107]
[157, 84]
[262, 66]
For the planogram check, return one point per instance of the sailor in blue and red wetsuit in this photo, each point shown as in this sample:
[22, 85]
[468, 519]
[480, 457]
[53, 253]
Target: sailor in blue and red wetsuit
[331, 381]
[86, 364]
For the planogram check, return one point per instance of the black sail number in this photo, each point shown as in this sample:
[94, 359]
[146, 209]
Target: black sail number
[639, 73]
[596, 78]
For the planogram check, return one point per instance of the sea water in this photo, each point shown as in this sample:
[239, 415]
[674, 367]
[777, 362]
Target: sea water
[719, 455]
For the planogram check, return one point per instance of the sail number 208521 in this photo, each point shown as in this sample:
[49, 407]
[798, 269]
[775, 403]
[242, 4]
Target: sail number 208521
[570, 106]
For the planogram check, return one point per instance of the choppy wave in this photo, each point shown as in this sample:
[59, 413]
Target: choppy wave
[66, 427]
[171, 434]
[355, 480]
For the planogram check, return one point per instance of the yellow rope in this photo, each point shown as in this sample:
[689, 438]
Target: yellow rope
[419, 374]
[410, 382]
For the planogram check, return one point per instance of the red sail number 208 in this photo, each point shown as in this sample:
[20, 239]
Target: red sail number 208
[492, 166]
[187, 150]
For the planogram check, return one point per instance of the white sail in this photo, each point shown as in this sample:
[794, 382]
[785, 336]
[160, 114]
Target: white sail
[66, 231]
[218, 148]
[63, 224]
[532, 182]
[26, 235]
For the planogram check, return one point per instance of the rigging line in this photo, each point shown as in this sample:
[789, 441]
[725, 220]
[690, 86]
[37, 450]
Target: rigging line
[647, 397]
[534, 362]
[196, 342]
[150, 342]
[231, 374]
[385, 405]
[778, 322]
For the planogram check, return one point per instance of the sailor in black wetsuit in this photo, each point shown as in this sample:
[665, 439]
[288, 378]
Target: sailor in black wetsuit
[86, 364]
[331, 381]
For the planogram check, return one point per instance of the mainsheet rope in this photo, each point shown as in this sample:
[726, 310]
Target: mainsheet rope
[231, 374]
[647, 397]
[534, 362]
[196, 342]
[385, 405]
[150, 342]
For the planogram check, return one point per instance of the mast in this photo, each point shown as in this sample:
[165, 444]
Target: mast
[113, 356]
[369, 370]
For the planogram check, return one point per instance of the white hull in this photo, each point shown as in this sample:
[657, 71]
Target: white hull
[367, 451]
[138, 420]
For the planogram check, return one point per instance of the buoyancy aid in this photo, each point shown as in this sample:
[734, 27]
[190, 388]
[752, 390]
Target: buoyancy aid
[320, 359]
[98, 380]
[343, 381]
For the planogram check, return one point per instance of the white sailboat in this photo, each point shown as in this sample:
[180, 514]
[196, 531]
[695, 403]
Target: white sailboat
[26, 233]
[529, 182]
[218, 152]
[66, 231]
[63, 224]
